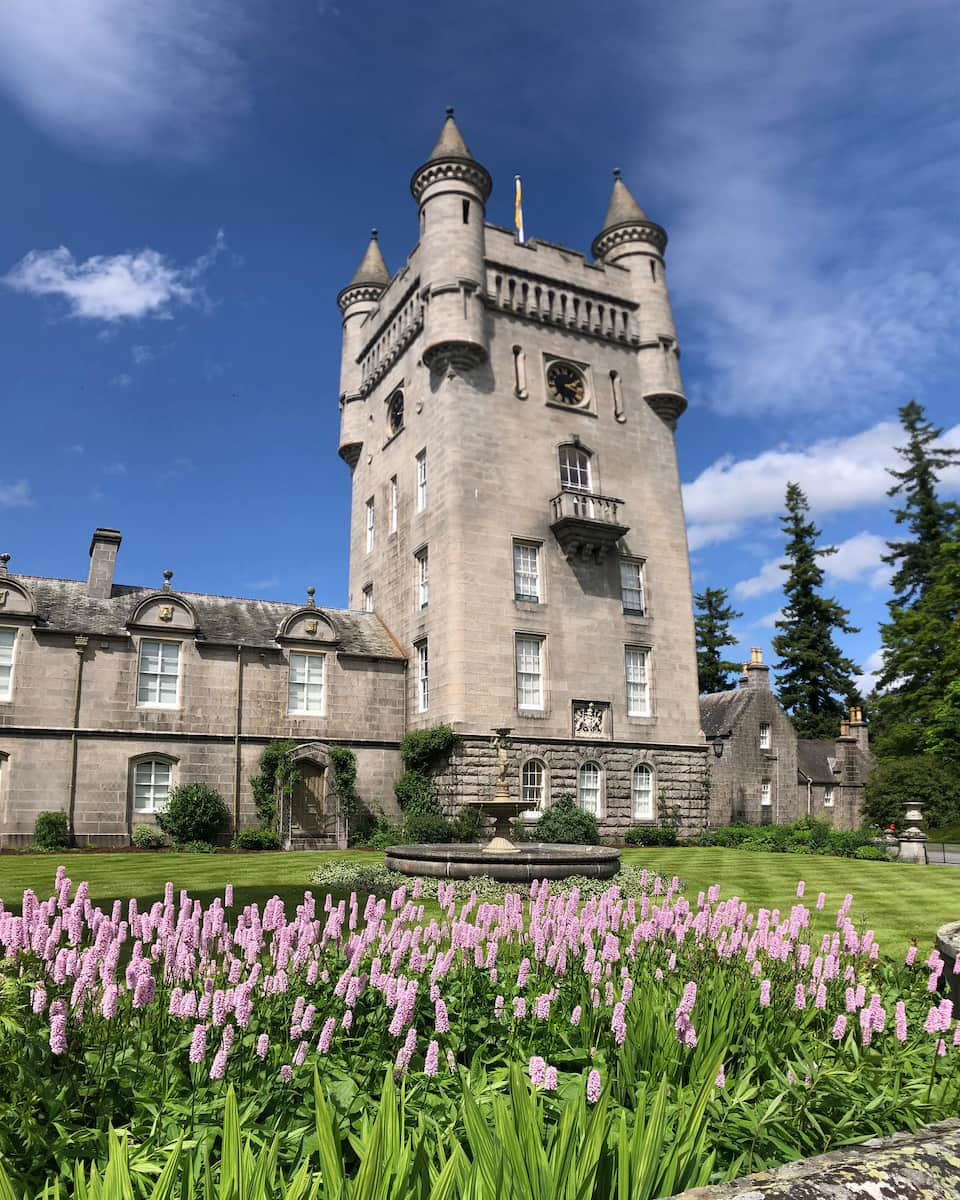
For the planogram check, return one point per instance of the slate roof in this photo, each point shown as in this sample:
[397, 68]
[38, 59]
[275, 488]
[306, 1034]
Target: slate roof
[815, 760]
[450, 143]
[622, 207]
[720, 711]
[372, 268]
[64, 606]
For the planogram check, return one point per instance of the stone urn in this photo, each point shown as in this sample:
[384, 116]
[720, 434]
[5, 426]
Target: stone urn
[913, 841]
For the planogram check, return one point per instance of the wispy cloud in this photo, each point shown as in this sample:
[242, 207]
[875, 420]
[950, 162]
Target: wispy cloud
[837, 475]
[119, 287]
[805, 150]
[123, 380]
[115, 468]
[141, 355]
[16, 495]
[867, 681]
[856, 558]
[150, 77]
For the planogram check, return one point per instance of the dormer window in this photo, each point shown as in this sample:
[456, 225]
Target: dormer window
[158, 675]
[8, 642]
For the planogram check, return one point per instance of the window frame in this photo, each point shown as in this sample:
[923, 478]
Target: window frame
[536, 810]
[828, 795]
[646, 682]
[766, 789]
[366, 598]
[567, 485]
[764, 737]
[539, 640]
[394, 518]
[306, 683]
[423, 674]
[371, 511]
[527, 544]
[591, 762]
[422, 580]
[641, 588]
[159, 674]
[153, 761]
[421, 461]
[646, 769]
[6, 696]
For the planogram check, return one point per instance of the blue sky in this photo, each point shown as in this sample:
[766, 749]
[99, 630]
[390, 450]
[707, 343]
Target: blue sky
[190, 182]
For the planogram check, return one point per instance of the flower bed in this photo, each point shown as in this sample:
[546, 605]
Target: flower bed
[662, 1040]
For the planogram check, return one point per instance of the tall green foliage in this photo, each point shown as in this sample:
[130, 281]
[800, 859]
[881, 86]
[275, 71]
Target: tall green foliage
[712, 623]
[277, 776]
[815, 677]
[928, 518]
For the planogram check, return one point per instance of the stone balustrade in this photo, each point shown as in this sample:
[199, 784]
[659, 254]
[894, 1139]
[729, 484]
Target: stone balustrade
[554, 303]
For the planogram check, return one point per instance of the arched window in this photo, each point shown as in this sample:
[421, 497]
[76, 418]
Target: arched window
[575, 469]
[641, 790]
[151, 785]
[588, 788]
[532, 787]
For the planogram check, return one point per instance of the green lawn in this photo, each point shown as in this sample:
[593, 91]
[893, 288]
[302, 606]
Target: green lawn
[897, 902]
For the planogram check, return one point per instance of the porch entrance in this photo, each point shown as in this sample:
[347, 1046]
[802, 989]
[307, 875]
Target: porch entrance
[309, 817]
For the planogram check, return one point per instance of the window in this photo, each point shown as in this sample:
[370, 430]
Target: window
[423, 577]
[532, 787]
[828, 797]
[8, 641]
[526, 571]
[765, 797]
[631, 585]
[529, 659]
[395, 414]
[641, 789]
[421, 481]
[638, 686]
[368, 598]
[575, 468]
[371, 518]
[159, 674]
[305, 686]
[151, 786]
[764, 736]
[588, 788]
[394, 503]
[423, 677]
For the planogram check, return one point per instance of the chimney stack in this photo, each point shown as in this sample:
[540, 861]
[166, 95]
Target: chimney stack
[757, 675]
[856, 728]
[103, 558]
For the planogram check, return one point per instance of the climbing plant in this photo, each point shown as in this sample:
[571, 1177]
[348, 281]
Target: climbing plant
[277, 777]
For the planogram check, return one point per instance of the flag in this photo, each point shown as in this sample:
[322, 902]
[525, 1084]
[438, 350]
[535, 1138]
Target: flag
[518, 210]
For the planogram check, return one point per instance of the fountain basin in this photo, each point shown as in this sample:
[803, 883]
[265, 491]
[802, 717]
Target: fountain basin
[529, 861]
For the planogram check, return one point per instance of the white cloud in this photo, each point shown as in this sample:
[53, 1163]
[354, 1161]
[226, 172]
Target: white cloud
[800, 151]
[837, 475]
[115, 468]
[157, 77]
[122, 380]
[867, 681]
[16, 495]
[115, 287]
[141, 355]
[770, 577]
[769, 620]
[859, 557]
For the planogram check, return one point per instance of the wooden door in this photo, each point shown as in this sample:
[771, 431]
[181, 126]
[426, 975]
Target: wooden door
[308, 816]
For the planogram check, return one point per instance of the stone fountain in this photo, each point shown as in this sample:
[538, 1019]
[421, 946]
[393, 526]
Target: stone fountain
[500, 858]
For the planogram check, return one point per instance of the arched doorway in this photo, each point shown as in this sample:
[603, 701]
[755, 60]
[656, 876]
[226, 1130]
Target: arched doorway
[308, 817]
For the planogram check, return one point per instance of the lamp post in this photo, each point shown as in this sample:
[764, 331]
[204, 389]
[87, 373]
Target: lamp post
[718, 748]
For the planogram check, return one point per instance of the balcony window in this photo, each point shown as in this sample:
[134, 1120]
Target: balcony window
[575, 469]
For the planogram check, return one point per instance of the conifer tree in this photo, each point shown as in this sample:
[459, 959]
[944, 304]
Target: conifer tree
[926, 516]
[815, 678]
[712, 623]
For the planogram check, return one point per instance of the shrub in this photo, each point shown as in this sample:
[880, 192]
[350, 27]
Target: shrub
[870, 854]
[196, 848]
[147, 837]
[383, 839]
[50, 831]
[424, 750]
[194, 812]
[565, 823]
[466, 825]
[427, 827]
[807, 836]
[257, 839]
[415, 793]
[651, 835]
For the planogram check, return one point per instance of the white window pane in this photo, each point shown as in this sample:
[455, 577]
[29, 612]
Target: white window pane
[6, 674]
[297, 693]
[631, 586]
[642, 794]
[588, 788]
[298, 668]
[169, 656]
[8, 638]
[526, 571]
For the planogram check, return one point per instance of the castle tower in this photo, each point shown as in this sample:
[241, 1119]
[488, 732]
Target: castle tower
[516, 518]
[356, 301]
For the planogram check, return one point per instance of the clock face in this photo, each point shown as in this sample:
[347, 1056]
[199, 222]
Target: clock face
[395, 412]
[565, 384]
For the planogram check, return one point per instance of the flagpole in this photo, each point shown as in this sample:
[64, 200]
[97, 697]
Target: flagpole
[518, 209]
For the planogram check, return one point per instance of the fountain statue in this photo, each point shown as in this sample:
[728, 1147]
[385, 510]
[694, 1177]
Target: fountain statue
[500, 857]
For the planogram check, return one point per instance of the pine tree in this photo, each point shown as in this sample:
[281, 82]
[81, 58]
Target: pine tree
[928, 518]
[815, 678]
[712, 623]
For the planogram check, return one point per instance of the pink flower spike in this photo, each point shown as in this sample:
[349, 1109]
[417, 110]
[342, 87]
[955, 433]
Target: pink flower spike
[821, 901]
[550, 1080]
[198, 1046]
[941, 1048]
[286, 1073]
[538, 1071]
[594, 1087]
[765, 993]
[911, 956]
[839, 1028]
[263, 1045]
[432, 1061]
[801, 886]
[721, 1079]
[58, 1034]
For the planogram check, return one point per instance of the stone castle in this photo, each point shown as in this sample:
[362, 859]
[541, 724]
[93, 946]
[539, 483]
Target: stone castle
[518, 564]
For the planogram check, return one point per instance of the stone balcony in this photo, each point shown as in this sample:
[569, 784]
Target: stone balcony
[586, 524]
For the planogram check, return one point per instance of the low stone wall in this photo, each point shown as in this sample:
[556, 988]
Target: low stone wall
[908, 1166]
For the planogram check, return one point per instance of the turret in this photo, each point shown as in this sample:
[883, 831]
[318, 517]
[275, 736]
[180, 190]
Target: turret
[451, 190]
[630, 239]
[358, 298]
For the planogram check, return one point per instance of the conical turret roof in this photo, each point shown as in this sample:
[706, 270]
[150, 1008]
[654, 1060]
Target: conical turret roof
[450, 143]
[622, 207]
[372, 269]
